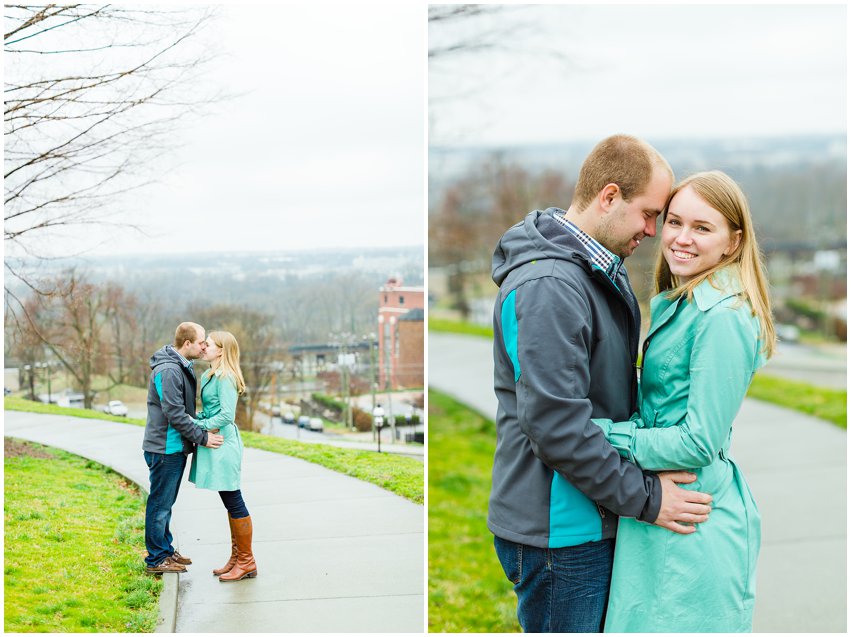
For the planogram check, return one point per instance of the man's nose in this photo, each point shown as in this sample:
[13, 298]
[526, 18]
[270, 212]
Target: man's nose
[650, 227]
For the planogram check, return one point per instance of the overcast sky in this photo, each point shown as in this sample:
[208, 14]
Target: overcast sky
[324, 149]
[577, 72]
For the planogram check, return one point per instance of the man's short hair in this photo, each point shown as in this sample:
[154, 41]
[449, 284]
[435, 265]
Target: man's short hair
[620, 159]
[186, 332]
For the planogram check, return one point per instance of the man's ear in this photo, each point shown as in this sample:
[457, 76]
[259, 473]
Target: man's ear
[608, 196]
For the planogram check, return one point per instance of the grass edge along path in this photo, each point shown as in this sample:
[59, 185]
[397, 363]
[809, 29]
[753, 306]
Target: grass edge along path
[74, 540]
[467, 590]
[398, 474]
[821, 402]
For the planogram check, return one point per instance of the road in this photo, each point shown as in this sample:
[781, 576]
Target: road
[820, 365]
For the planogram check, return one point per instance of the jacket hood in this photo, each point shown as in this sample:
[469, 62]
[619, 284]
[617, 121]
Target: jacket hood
[165, 354]
[538, 236]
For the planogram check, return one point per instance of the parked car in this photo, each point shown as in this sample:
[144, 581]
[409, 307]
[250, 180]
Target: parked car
[315, 424]
[116, 408]
[289, 418]
[787, 333]
[303, 422]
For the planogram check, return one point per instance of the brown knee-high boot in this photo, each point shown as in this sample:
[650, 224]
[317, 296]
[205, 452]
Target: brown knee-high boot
[227, 567]
[245, 565]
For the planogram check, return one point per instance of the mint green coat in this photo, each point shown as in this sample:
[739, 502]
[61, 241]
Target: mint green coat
[697, 366]
[218, 469]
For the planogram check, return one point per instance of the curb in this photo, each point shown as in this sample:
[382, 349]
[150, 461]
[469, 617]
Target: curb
[167, 618]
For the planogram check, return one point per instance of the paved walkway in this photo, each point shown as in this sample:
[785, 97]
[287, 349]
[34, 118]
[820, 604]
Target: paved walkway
[794, 464]
[334, 554]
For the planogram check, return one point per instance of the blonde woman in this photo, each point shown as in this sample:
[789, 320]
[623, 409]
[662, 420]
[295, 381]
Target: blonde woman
[711, 328]
[221, 386]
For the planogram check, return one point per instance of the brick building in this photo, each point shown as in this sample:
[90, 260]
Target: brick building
[401, 335]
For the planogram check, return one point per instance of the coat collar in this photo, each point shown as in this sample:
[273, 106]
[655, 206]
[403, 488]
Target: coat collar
[207, 377]
[721, 285]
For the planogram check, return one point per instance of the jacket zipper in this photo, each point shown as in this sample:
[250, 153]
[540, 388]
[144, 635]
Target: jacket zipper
[631, 319]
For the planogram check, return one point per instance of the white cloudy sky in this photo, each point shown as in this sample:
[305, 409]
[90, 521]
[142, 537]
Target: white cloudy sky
[324, 148]
[655, 71]
[327, 144]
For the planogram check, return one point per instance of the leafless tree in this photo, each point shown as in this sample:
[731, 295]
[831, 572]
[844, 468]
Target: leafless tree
[448, 17]
[93, 96]
[477, 209]
[81, 325]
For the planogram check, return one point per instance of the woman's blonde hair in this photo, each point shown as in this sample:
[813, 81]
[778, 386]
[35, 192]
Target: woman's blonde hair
[724, 195]
[228, 362]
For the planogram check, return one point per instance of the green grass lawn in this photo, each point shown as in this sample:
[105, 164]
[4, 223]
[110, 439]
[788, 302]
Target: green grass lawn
[459, 327]
[74, 546]
[827, 404]
[401, 475]
[398, 474]
[467, 590]
[22, 404]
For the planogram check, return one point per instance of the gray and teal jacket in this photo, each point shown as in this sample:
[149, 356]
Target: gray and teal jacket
[171, 405]
[565, 344]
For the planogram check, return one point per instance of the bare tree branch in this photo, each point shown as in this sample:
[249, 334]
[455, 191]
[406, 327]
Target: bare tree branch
[76, 142]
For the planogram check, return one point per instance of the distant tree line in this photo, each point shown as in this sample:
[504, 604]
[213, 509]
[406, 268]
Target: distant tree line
[467, 216]
[103, 334]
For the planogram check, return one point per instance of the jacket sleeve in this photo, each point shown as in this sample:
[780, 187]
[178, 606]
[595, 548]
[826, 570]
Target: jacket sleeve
[175, 410]
[549, 341]
[720, 369]
[226, 388]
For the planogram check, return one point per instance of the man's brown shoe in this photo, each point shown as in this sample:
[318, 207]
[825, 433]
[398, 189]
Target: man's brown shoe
[168, 565]
[180, 559]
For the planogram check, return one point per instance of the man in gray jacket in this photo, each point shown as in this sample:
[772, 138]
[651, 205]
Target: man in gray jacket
[170, 435]
[566, 331]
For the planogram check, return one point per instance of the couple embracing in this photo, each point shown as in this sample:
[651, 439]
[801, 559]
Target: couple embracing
[174, 430]
[593, 440]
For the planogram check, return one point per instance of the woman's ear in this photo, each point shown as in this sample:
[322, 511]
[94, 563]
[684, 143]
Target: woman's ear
[734, 242]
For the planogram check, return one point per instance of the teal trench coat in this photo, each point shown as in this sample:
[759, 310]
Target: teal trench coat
[218, 469]
[699, 359]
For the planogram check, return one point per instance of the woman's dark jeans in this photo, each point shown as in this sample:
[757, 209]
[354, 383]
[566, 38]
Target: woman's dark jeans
[563, 590]
[234, 503]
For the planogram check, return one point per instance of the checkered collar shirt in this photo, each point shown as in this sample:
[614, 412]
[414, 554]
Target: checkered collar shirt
[602, 258]
[186, 362]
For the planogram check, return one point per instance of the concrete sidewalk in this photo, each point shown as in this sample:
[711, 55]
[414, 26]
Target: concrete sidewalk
[334, 554]
[794, 464]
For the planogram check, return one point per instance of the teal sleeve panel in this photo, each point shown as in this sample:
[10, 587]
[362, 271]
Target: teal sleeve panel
[509, 331]
[574, 519]
[173, 440]
[171, 384]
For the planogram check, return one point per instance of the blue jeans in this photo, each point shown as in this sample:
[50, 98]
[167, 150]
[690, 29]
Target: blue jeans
[166, 472]
[561, 590]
